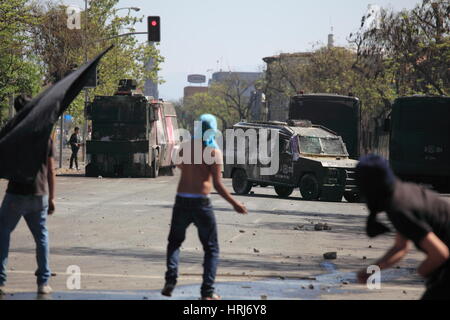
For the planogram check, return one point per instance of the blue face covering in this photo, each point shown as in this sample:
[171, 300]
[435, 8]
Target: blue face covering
[208, 122]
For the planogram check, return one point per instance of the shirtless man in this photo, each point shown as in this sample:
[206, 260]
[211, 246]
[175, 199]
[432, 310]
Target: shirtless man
[192, 205]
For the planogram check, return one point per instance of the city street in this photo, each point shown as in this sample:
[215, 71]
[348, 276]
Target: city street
[115, 231]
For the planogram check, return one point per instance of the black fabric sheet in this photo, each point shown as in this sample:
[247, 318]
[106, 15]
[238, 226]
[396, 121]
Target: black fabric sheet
[24, 139]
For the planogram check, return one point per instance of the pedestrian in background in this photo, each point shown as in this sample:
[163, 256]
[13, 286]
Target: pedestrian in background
[417, 214]
[33, 201]
[75, 144]
[192, 205]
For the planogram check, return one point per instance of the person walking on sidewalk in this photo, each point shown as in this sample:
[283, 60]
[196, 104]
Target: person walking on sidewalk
[192, 205]
[75, 143]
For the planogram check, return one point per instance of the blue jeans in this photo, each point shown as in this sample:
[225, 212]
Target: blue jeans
[199, 212]
[34, 210]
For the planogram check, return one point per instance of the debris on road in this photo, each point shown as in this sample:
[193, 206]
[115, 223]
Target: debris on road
[321, 227]
[299, 227]
[263, 297]
[255, 250]
[311, 287]
[242, 231]
[330, 255]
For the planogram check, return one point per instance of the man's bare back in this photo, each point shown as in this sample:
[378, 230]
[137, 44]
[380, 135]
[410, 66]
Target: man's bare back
[200, 178]
[195, 178]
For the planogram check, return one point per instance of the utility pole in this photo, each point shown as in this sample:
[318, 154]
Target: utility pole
[11, 106]
[61, 139]
[86, 93]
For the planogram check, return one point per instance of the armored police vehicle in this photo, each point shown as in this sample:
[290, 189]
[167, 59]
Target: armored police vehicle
[132, 135]
[311, 158]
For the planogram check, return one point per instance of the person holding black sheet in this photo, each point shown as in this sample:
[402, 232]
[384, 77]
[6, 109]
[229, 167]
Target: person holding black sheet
[33, 201]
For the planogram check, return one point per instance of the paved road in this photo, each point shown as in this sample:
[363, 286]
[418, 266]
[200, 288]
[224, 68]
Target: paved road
[115, 230]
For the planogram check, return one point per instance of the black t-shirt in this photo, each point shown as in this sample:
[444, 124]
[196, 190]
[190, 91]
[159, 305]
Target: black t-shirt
[74, 141]
[415, 211]
[40, 185]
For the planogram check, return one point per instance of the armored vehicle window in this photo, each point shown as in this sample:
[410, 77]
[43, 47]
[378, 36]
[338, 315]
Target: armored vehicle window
[322, 146]
[310, 145]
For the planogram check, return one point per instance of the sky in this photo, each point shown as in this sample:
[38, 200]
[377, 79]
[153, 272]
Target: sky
[205, 36]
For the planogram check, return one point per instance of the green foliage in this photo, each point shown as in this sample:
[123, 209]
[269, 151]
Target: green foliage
[61, 48]
[38, 49]
[413, 46]
[209, 102]
[19, 70]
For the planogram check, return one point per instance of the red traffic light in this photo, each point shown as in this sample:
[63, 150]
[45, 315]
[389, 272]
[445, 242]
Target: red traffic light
[154, 28]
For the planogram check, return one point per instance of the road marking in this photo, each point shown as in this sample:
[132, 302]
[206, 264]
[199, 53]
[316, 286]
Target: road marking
[185, 275]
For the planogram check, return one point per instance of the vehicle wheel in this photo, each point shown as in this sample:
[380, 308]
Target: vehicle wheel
[309, 187]
[155, 166]
[283, 192]
[352, 197]
[241, 185]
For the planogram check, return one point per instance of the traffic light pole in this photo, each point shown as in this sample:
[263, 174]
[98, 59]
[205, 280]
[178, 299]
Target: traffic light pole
[86, 94]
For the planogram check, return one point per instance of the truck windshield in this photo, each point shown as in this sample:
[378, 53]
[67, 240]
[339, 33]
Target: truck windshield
[322, 146]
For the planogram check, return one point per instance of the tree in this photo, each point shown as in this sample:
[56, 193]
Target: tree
[199, 103]
[61, 49]
[234, 91]
[19, 71]
[413, 46]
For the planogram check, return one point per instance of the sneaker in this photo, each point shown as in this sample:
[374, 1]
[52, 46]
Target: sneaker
[212, 296]
[44, 289]
[2, 289]
[167, 290]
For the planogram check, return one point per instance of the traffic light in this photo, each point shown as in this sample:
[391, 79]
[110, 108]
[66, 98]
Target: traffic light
[154, 29]
[92, 80]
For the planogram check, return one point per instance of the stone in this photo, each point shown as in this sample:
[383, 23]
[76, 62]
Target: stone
[311, 286]
[255, 250]
[330, 255]
[318, 227]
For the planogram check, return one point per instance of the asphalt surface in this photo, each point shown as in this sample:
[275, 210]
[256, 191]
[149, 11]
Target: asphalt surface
[115, 231]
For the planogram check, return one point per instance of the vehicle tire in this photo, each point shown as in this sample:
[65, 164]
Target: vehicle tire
[155, 165]
[240, 182]
[283, 192]
[352, 197]
[309, 187]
